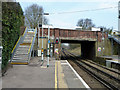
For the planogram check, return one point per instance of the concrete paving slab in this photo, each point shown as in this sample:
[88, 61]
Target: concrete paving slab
[70, 77]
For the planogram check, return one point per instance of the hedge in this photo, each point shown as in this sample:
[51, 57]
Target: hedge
[12, 20]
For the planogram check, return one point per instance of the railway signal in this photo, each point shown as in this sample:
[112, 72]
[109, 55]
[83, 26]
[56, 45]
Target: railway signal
[57, 41]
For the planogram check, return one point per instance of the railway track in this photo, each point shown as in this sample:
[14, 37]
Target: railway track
[109, 78]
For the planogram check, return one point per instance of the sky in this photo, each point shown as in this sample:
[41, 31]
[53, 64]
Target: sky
[81, 9]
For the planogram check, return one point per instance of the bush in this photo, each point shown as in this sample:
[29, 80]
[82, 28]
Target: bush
[12, 19]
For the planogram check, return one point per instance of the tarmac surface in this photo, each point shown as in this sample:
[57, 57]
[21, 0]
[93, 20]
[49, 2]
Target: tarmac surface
[59, 74]
[30, 76]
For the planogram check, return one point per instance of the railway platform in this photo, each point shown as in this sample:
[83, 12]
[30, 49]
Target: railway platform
[59, 74]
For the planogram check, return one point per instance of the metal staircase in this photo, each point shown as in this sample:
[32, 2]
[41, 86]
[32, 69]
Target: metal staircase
[21, 53]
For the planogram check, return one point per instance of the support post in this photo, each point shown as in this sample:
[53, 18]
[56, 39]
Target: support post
[111, 46]
[42, 40]
[48, 47]
[119, 53]
[33, 53]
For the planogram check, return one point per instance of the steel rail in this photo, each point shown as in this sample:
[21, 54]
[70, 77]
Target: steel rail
[100, 79]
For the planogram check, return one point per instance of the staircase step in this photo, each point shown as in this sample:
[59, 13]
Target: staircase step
[29, 35]
[26, 41]
[18, 58]
[24, 46]
[22, 51]
[21, 55]
[14, 62]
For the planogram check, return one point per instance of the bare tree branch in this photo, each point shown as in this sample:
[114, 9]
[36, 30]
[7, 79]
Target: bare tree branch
[34, 15]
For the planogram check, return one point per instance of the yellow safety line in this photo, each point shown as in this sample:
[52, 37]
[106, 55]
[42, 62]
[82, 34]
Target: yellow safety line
[31, 32]
[24, 31]
[56, 75]
[25, 44]
[19, 63]
[16, 44]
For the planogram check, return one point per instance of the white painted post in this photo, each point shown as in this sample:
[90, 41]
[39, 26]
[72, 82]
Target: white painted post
[48, 47]
[42, 38]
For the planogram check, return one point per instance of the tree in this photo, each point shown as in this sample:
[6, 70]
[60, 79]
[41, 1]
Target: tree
[33, 16]
[86, 24]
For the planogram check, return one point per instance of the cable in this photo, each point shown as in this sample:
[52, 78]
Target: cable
[84, 10]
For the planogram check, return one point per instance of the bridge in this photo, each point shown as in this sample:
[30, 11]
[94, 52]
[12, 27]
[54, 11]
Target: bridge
[86, 38]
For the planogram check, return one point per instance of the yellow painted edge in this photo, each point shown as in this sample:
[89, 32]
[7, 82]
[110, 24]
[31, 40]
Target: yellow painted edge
[25, 44]
[30, 45]
[56, 75]
[31, 32]
[16, 44]
[18, 63]
[24, 31]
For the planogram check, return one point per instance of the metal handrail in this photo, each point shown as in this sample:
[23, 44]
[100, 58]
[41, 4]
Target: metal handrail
[24, 34]
[31, 45]
[16, 44]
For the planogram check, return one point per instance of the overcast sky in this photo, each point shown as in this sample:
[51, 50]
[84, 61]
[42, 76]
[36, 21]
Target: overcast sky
[106, 17]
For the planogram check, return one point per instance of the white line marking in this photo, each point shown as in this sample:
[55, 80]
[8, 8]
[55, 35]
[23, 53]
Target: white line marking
[84, 83]
[64, 63]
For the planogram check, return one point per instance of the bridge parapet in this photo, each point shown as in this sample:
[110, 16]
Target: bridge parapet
[73, 34]
[78, 38]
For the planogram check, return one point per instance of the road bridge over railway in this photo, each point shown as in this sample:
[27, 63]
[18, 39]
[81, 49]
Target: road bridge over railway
[86, 38]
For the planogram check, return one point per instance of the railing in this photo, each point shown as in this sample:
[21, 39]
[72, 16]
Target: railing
[24, 34]
[115, 37]
[20, 40]
[32, 44]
